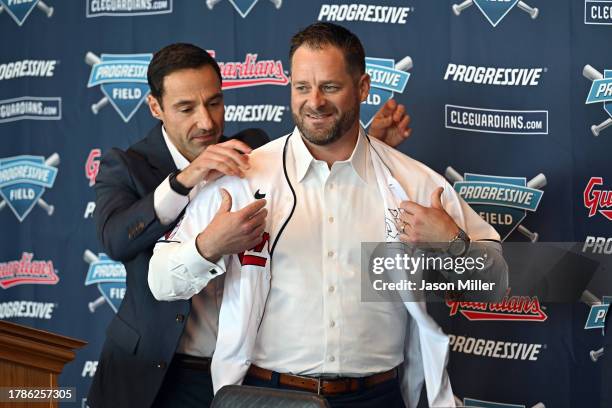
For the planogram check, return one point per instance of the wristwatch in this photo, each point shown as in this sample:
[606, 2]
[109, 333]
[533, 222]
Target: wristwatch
[176, 186]
[459, 244]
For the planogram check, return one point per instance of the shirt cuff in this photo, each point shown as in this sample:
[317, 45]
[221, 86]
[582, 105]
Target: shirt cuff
[168, 203]
[197, 269]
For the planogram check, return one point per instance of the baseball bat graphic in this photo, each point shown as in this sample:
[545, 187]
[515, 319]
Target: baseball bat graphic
[44, 8]
[212, 3]
[532, 11]
[277, 3]
[53, 160]
[90, 257]
[589, 298]
[92, 59]
[404, 64]
[458, 8]
[591, 73]
[596, 129]
[595, 354]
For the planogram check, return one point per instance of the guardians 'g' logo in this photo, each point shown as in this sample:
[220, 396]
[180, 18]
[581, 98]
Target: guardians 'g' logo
[600, 92]
[386, 78]
[243, 7]
[23, 181]
[496, 10]
[501, 201]
[19, 10]
[122, 79]
[109, 276]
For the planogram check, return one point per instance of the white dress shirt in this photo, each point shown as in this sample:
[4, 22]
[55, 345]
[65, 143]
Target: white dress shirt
[200, 334]
[315, 322]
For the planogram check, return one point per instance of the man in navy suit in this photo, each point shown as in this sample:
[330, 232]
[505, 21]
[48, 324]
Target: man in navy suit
[158, 353]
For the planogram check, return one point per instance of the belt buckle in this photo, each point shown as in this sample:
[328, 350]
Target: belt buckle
[318, 385]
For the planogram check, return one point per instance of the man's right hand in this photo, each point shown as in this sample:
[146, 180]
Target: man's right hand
[232, 232]
[228, 158]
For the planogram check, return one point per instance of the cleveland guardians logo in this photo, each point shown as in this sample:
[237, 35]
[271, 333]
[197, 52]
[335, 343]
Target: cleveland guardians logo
[251, 72]
[496, 10]
[122, 8]
[387, 77]
[597, 200]
[511, 308]
[19, 10]
[27, 272]
[600, 92]
[108, 276]
[122, 79]
[92, 166]
[243, 7]
[501, 201]
[23, 181]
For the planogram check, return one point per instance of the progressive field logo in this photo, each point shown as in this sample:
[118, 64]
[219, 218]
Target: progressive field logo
[501, 201]
[23, 181]
[108, 276]
[387, 78]
[127, 8]
[368, 13]
[122, 78]
[19, 10]
[495, 10]
[600, 92]
[243, 7]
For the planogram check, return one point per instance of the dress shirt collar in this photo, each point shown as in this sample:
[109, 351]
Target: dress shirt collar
[304, 159]
[179, 160]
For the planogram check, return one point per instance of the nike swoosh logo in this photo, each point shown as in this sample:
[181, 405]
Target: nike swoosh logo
[259, 195]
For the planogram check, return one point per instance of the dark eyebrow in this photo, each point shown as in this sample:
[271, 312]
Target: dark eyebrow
[189, 102]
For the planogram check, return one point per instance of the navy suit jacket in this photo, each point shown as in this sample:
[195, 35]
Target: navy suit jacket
[144, 334]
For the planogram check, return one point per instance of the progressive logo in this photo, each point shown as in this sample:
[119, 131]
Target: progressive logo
[122, 78]
[19, 10]
[387, 78]
[600, 92]
[495, 10]
[108, 276]
[501, 201]
[23, 181]
[243, 7]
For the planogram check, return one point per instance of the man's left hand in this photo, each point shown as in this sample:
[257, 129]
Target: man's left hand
[390, 124]
[420, 224]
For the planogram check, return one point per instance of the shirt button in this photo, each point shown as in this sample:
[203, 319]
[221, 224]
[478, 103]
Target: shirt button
[180, 318]
[332, 358]
[331, 289]
[161, 364]
[330, 254]
[332, 324]
[331, 219]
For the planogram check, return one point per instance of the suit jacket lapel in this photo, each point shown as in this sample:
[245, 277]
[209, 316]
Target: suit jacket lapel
[157, 153]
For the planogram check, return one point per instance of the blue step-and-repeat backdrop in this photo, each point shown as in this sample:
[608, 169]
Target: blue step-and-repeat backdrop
[515, 94]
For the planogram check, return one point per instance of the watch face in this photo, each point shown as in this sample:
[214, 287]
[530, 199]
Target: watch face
[456, 247]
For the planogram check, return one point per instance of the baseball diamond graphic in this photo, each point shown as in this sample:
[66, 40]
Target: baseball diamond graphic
[21, 10]
[601, 91]
[510, 212]
[122, 79]
[109, 276]
[243, 7]
[23, 191]
[387, 77]
[495, 11]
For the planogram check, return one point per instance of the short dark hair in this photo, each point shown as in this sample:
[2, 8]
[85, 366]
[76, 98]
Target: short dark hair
[175, 57]
[319, 35]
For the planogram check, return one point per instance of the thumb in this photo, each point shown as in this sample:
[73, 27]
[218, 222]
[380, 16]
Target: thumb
[436, 198]
[226, 202]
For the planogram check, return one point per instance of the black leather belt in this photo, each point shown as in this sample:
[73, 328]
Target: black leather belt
[192, 362]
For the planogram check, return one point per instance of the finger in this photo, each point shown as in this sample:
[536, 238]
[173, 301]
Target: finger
[226, 201]
[257, 219]
[251, 209]
[402, 127]
[388, 108]
[436, 198]
[256, 234]
[410, 207]
[221, 165]
[230, 154]
[384, 122]
[399, 113]
[407, 133]
[236, 145]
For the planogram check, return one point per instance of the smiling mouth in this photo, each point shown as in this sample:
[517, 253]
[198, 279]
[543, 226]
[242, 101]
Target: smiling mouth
[318, 116]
